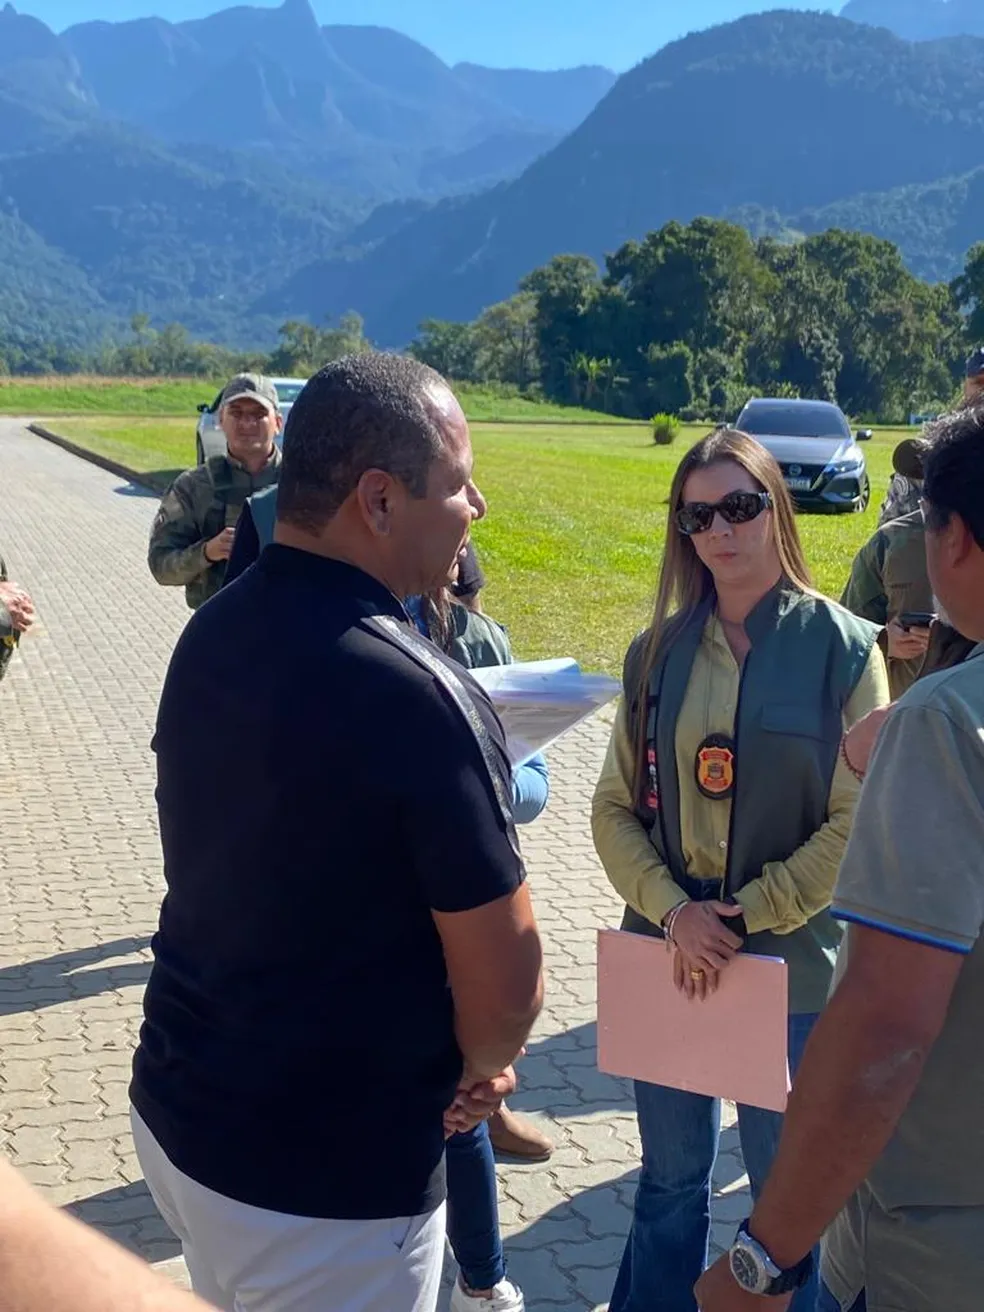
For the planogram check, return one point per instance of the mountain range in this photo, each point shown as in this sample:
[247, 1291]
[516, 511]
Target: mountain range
[253, 166]
[920, 20]
[359, 107]
[809, 116]
[177, 167]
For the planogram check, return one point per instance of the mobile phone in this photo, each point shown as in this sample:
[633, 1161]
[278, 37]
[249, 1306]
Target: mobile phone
[916, 619]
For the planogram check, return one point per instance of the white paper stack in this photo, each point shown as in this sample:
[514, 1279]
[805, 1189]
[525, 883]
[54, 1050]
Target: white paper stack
[538, 701]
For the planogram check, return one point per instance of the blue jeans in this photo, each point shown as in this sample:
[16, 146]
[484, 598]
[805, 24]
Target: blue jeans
[473, 1209]
[667, 1246]
[827, 1302]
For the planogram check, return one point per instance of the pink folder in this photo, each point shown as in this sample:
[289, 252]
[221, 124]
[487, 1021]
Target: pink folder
[733, 1045]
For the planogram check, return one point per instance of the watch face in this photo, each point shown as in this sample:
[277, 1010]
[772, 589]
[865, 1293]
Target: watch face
[746, 1270]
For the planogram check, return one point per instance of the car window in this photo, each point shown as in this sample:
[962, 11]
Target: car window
[793, 421]
[289, 392]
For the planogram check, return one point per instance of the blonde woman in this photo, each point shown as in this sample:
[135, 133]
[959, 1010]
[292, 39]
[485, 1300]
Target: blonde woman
[723, 809]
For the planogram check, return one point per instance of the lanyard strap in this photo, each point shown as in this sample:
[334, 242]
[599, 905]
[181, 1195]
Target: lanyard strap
[423, 653]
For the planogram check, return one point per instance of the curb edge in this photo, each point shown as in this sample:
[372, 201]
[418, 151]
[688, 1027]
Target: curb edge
[93, 458]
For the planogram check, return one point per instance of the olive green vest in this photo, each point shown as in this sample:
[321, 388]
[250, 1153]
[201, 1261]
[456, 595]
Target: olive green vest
[807, 657]
[476, 640]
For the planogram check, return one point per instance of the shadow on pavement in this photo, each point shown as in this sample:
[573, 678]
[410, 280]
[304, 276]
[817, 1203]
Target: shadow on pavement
[559, 1077]
[570, 1255]
[130, 1217]
[157, 483]
[68, 977]
[560, 1074]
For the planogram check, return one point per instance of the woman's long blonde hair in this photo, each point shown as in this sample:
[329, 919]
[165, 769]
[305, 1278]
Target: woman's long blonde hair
[684, 581]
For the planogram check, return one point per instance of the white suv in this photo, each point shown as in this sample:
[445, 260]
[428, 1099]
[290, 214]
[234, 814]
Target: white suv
[210, 440]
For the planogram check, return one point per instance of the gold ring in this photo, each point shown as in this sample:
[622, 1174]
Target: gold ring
[696, 974]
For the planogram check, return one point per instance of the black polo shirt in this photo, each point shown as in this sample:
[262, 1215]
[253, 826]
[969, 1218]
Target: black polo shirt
[320, 794]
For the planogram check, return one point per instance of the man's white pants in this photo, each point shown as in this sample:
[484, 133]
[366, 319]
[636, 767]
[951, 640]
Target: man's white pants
[246, 1259]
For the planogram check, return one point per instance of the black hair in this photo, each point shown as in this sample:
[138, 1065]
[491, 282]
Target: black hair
[366, 411]
[954, 462]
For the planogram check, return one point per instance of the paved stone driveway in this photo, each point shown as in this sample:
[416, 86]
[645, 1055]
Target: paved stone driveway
[82, 882]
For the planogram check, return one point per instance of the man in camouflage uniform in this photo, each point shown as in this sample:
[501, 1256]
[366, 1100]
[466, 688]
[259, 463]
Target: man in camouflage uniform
[888, 578]
[193, 533]
[16, 616]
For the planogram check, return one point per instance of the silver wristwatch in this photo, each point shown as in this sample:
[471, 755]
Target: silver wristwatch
[756, 1273]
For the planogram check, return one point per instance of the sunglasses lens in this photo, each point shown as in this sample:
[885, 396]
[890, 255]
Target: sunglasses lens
[740, 507]
[736, 508]
[694, 517]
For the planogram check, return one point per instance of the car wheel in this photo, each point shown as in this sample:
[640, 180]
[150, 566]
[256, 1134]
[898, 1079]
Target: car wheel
[865, 500]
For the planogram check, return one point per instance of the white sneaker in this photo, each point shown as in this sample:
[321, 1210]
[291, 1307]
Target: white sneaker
[506, 1297]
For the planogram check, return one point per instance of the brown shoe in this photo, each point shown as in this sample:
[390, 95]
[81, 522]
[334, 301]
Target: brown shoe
[516, 1137]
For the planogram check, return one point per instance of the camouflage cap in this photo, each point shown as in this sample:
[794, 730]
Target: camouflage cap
[908, 457]
[253, 387]
[975, 362]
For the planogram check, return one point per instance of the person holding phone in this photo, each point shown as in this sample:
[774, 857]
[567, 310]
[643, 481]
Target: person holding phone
[723, 809]
[888, 581]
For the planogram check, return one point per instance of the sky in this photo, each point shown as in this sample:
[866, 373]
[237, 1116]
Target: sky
[501, 33]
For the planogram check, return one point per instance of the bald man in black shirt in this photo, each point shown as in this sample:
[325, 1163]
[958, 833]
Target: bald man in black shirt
[347, 962]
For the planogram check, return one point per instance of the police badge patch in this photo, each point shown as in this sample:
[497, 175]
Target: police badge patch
[714, 767]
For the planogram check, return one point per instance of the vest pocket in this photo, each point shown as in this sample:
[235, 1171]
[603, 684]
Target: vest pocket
[804, 721]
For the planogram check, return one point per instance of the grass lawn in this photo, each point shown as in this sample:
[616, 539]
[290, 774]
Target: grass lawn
[156, 445]
[176, 397]
[61, 395]
[576, 525]
[577, 519]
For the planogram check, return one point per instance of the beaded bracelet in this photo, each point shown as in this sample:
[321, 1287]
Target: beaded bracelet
[858, 774]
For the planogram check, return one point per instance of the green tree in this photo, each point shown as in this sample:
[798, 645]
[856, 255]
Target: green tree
[699, 283]
[668, 376]
[588, 376]
[505, 341]
[847, 321]
[140, 325]
[450, 348]
[968, 291]
[564, 291]
[304, 348]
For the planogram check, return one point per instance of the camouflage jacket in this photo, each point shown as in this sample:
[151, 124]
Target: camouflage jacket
[902, 499]
[197, 506]
[947, 648]
[889, 577]
[8, 634]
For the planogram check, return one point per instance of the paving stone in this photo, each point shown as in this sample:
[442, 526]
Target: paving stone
[604, 1211]
[36, 1145]
[604, 1254]
[22, 1076]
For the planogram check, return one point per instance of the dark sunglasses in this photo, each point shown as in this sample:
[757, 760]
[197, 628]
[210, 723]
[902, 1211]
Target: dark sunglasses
[736, 508]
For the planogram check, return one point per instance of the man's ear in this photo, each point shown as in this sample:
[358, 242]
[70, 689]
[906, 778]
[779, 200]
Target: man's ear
[376, 495]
